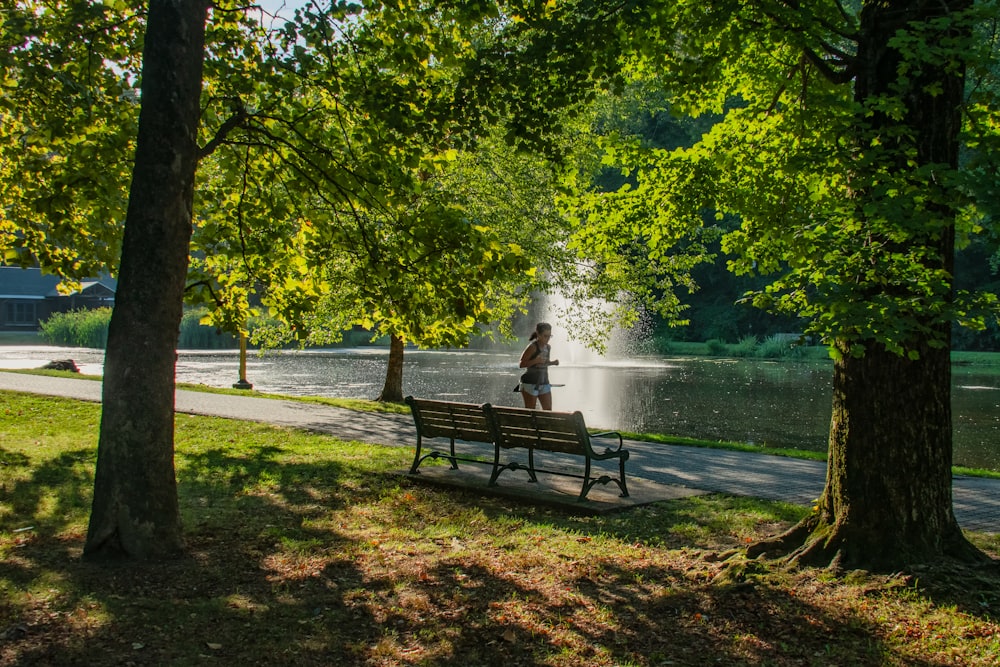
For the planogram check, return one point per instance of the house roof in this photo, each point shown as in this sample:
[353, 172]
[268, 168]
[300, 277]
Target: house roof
[95, 288]
[31, 283]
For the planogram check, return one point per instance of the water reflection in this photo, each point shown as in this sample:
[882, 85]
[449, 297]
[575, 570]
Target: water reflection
[767, 403]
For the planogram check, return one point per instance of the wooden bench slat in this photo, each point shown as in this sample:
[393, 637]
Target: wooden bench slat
[445, 426]
[551, 443]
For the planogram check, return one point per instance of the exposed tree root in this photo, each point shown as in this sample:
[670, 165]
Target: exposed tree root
[786, 543]
[815, 542]
[111, 544]
[106, 548]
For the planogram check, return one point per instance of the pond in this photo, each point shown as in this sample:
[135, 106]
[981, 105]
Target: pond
[767, 403]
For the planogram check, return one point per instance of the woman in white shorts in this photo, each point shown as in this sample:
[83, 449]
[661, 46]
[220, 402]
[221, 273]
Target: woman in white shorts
[535, 387]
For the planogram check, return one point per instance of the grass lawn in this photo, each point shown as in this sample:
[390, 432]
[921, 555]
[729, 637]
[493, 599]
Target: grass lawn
[307, 550]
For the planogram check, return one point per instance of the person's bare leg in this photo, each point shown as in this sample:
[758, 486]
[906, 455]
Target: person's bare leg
[546, 401]
[529, 400]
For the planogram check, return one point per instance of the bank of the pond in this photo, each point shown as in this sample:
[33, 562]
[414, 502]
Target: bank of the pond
[976, 501]
[365, 405]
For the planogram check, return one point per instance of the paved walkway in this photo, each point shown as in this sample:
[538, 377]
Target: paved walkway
[976, 500]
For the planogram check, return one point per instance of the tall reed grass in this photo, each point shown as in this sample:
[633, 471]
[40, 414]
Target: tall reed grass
[89, 328]
[746, 347]
[197, 336]
[77, 328]
[776, 346]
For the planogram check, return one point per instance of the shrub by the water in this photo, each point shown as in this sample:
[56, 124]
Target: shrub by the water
[89, 328]
[746, 347]
[78, 328]
[197, 336]
[717, 347]
[774, 347]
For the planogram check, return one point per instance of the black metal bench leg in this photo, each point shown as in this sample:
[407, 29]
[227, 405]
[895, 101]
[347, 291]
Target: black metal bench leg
[454, 461]
[416, 458]
[496, 465]
[586, 479]
[531, 464]
[621, 468]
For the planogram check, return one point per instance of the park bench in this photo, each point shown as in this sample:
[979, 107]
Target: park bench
[508, 428]
[560, 432]
[446, 419]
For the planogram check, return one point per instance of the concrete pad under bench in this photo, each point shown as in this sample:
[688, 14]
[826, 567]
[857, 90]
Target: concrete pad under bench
[552, 490]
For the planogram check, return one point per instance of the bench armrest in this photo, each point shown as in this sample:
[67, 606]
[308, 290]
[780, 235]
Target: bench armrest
[605, 434]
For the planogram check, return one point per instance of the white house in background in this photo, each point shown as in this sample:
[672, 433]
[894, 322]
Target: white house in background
[27, 296]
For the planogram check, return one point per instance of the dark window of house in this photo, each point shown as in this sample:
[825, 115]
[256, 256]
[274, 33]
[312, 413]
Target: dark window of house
[21, 314]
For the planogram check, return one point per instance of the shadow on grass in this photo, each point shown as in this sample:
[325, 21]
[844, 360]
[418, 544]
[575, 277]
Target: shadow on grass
[227, 605]
[13, 459]
[316, 556]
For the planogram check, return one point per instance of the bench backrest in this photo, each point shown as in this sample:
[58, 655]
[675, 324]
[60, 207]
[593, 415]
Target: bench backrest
[444, 419]
[541, 429]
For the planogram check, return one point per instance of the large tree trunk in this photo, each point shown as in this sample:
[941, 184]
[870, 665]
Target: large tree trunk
[392, 391]
[135, 511]
[887, 502]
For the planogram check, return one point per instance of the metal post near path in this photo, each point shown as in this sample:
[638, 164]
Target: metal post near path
[242, 383]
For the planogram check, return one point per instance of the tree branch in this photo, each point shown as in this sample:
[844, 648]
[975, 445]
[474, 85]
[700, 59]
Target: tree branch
[839, 30]
[238, 118]
[824, 67]
[208, 286]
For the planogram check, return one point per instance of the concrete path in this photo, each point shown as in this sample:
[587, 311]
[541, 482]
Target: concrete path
[976, 500]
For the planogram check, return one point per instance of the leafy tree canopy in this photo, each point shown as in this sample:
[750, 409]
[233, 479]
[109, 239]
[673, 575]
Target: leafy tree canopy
[794, 150]
[68, 117]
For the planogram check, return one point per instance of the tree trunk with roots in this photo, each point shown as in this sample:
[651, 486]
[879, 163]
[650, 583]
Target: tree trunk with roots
[888, 500]
[135, 511]
[392, 391]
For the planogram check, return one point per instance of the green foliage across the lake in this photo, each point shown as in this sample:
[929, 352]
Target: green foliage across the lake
[195, 335]
[787, 348]
[89, 328]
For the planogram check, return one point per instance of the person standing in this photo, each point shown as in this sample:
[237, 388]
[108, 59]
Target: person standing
[535, 387]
